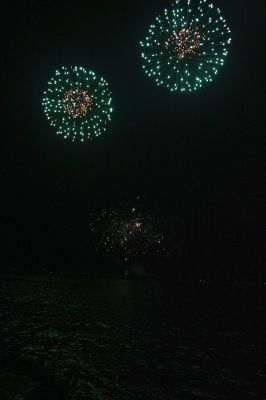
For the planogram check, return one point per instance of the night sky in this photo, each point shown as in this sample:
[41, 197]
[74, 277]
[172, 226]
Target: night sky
[198, 157]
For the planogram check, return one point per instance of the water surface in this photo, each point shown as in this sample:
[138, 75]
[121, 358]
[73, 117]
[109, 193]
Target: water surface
[129, 339]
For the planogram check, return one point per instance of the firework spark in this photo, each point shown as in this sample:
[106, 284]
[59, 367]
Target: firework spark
[128, 234]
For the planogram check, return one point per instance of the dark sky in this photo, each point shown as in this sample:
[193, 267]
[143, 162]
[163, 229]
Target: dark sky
[196, 156]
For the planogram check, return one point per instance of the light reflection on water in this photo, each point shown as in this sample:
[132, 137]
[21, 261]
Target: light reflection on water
[128, 339]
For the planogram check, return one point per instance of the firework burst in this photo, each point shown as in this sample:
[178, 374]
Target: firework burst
[78, 103]
[186, 46]
[128, 234]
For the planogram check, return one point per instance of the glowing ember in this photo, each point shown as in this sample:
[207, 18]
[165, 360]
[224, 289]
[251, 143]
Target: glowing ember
[77, 103]
[185, 42]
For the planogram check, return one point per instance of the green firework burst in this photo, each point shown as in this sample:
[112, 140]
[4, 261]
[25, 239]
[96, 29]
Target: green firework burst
[186, 46]
[77, 103]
